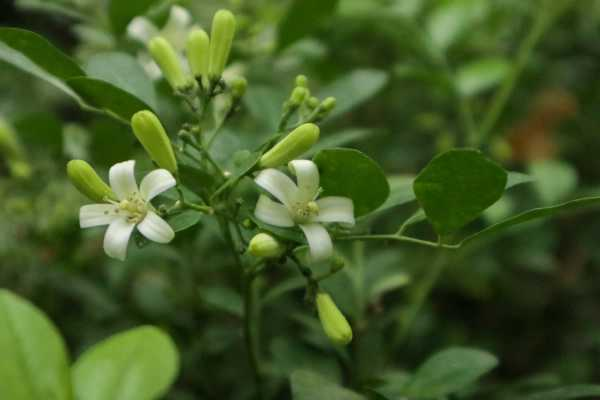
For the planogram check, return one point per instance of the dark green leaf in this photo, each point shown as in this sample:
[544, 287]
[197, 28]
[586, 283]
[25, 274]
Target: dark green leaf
[138, 364]
[350, 173]
[184, 220]
[566, 393]
[223, 299]
[448, 372]
[34, 362]
[457, 186]
[122, 12]
[310, 386]
[303, 18]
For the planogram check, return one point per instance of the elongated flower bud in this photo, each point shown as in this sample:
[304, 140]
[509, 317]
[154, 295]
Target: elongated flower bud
[165, 56]
[291, 147]
[302, 81]
[334, 323]
[265, 246]
[221, 37]
[198, 52]
[151, 134]
[87, 181]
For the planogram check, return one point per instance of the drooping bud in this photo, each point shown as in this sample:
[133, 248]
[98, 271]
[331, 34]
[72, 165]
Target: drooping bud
[151, 134]
[238, 87]
[265, 246]
[301, 81]
[291, 147]
[87, 181]
[221, 38]
[165, 56]
[198, 48]
[328, 104]
[334, 323]
[299, 94]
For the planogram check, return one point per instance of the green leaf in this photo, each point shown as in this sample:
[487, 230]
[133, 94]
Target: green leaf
[457, 186]
[303, 18]
[184, 220]
[122, 12]
[310, 386]
[353, 89]
[338, 139]
[350, 173]
[453, 19]
[222, 298]
[566, 393]
[33, 54]
[124, 72]
[447, 372]
[476, 77]
[264, 104]
[108, 97]
[34, 359]
[533, 214]
[139, 364]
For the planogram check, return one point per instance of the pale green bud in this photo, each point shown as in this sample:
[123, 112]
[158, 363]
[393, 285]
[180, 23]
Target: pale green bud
[265, 246]
[165, 56]
[302, 81]
[328, 104]
[198, 48]
[19, 169]
[297, 142]
[87, 181]
[238, 87]
[312, 102]
[334, 323]
[151, 134]
[299, 94]
[221, 38]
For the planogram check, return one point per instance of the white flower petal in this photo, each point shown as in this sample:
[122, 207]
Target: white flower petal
[273, 213]
[122, 179]
[318, 240]
[96, 215]
[336, 209]
[117, 237]
[176, 28]
[279, 185]
[155, 228]
[141, 29]
[307, 176]
[155, 183]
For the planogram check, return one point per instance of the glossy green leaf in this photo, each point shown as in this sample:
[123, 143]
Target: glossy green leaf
[124, 72]
[122, 12]
[447, 372]
[139, 364]
[457, 186]
[34, 362]
[310, 386]
[350, 173]
[353, 89]
[184, 220]
[474, 78]
[302, 18]
[108, 97]
[566, 393]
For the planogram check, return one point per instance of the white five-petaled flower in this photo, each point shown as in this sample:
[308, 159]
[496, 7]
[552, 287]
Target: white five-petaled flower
[132, 208]
[299, 205]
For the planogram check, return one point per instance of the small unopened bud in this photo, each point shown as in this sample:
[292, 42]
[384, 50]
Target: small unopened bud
[87, 181]
[151, 134]
[337, 263]
[19, 169]
[265, 246]
[238, 87]
[165, 56]
[328, 104]
[334, 323]
[301, 81]
[221, 38]
[198, 48]
[299, 94]
[248, 224]
[297, 142]
[312, 102]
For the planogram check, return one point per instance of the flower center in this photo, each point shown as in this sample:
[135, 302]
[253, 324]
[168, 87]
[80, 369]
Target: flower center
[304, 212]
[133, 207]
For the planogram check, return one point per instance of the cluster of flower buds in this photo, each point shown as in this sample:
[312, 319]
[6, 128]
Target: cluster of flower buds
[12, 152]
[302, 101]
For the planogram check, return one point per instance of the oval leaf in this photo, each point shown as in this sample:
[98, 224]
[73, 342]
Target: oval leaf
[34, 360]
[448, 372]
[350, 173]
[184, 220]
[457, 186]
[139, 364]
[310, 386]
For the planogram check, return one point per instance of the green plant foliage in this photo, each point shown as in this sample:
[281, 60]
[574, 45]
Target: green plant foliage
[306, 385]
[302, 18]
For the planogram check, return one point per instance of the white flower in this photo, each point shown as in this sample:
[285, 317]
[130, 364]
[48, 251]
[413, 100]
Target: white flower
[301, 207]
[174, 31]
[132, 209]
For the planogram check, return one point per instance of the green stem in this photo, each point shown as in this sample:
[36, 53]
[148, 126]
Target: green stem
[400, 238]
[251, 330]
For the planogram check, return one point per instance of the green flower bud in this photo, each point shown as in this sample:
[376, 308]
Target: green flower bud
[165, 56]
[299, 94]
[221, 37]
[151, 134]
[297, 142]
[265, 246]
[87, 181]
[334, 323]
[337, 263]
[312, 102]
[198, 48]
[19, 169]
[238, 87]
[301, 81]
[328, 104]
